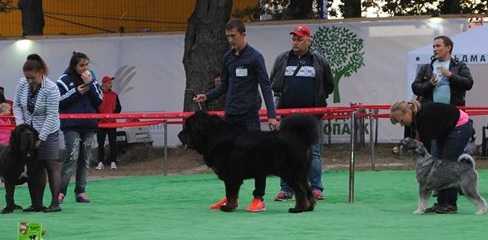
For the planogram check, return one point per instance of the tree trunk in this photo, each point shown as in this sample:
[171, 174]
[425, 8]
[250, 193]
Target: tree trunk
[205, 45]
[300, 9]
[32, 17]
[351, 9]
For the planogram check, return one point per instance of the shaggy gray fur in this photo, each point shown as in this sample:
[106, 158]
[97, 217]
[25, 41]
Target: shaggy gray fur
[435, 175]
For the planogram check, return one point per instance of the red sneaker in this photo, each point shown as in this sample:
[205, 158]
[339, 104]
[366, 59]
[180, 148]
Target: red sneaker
[283, 196]
[257, 205]
[317, 194]
[218, 204]
[60, 198]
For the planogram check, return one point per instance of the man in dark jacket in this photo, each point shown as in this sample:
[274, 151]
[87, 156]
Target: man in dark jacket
[444, 80]
[301, 78]
[244, 70]
[80, 93]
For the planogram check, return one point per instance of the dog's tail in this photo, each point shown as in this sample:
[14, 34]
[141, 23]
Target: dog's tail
[304, 128]
[466, 158]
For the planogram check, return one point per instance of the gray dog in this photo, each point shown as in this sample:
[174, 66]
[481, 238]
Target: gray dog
[435, 175]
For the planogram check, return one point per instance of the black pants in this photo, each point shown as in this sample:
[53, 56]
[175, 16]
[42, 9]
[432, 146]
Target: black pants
[112, 143]
[250, 122]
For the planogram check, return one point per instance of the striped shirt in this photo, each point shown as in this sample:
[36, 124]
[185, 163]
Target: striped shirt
[45, 117]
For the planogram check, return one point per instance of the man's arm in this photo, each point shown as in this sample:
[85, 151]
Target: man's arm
[265, 85]
[328, 79]
[421, 86]
[462, 79]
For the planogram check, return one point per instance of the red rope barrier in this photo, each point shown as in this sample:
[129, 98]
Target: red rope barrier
[328, 113]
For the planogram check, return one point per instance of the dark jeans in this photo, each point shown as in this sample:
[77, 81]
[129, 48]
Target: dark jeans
[250, 122]
[449, 149]
[112, 143]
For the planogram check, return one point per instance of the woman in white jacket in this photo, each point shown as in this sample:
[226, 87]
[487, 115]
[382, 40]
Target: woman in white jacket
[37, 104]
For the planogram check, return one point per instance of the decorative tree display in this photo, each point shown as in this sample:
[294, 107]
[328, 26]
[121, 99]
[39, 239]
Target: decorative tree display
[343, 49]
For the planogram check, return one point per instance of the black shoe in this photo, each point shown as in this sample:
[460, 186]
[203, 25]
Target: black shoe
[52, 208]
[34, 209]
[447, 209]
[432, 209]
[10, 209]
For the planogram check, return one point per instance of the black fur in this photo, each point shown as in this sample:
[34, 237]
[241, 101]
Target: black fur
[235, 154]
[13, 159]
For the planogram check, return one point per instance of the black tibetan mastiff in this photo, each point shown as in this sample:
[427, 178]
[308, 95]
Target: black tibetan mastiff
[13, 159]
[235, 154]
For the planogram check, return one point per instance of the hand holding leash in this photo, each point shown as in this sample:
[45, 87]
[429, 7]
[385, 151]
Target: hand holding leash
[273, 124]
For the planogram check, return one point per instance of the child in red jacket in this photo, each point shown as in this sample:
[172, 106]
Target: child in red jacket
[110, 104]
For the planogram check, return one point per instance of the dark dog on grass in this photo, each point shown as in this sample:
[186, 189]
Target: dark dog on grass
[235, 154]
[436, 174]
[13, 159]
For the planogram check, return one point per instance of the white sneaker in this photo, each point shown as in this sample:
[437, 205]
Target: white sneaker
[113, 166]
[100, 166]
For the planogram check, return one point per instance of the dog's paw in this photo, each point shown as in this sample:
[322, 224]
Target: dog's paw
[482, 211]
[419, 211]
[296, 210]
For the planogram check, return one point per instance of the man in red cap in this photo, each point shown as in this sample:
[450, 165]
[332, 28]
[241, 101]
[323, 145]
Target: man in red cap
[110, 104]
[300, 79]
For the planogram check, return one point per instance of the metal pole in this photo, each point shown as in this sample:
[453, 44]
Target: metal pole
[372, 156]
[329, 137]
[376, 126]
[164, 161]
[362, 129]
[352, 161]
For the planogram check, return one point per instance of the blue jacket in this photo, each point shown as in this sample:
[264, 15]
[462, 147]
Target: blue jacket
[72, 101]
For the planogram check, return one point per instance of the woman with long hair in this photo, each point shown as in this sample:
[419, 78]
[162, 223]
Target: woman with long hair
[80, 93]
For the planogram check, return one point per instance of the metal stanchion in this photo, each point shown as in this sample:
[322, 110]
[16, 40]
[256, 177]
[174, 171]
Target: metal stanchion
[372, 156]
[352, 161]
[164, 160]
[376, 126]
[329, 137]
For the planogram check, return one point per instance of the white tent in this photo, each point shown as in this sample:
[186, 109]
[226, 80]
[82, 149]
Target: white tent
[469, 47]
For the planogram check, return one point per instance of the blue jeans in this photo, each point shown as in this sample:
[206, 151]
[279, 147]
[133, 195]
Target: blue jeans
[453, 145]
[314, 173]
[80, 147]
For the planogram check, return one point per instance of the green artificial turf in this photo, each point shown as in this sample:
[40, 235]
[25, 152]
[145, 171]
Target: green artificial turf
[176, 207]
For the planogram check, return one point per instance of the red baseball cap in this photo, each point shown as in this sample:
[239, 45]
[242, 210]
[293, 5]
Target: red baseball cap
[107, 78]
[302, 31]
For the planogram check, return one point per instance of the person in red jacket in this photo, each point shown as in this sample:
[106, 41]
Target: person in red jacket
[110, 104]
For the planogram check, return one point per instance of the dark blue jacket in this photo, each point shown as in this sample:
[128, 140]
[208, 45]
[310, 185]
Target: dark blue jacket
[241, 77]
[72, 101]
